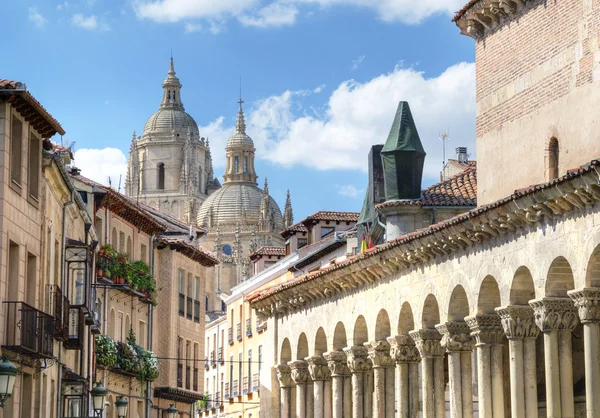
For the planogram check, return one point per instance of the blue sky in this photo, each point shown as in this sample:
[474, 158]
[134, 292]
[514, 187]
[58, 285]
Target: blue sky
[321, 80]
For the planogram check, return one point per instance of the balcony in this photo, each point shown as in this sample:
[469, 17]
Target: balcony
[226, 391]
[217, 402]
[248, 327]
[220, 358]
[213, 363]
[206, 365]
[57, 305]
[245, 385]
[255, 383]
[29, 332]
[239, 332]
[236, 391]
[76, 335]
[230, 335]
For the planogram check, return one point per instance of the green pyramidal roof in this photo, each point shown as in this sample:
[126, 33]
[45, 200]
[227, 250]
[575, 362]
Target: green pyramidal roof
[403, 135]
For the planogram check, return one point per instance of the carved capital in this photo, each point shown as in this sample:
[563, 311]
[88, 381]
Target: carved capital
[518, 321]
[284, 375]
[338, 363]
[300, 373]
[486, 328]
[456, 336]
[317, 367]
[379, 354]
[587, 302]
[428, 342]
[358, 360]
[554, 314]
[403, 349]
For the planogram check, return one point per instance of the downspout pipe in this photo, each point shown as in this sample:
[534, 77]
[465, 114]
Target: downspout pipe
[63, 280]
[150, 328]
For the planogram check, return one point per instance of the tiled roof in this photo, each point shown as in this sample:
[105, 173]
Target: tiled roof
[323, 215]
[432, 229]
[274, 251]
[462, 11]
[24, 103]
[299, 227]
[199, 254]
[464, 166]
[460, 190]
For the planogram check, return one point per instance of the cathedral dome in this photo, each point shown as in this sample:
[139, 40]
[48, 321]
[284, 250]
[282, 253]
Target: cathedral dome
[238, 203]
[168, 120]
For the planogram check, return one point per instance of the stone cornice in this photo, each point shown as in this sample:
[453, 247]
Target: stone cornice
[521, 211]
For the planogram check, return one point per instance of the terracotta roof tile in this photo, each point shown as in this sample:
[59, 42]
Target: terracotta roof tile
[275, 251]
[323, 215]
[199, 254]
[462, 11]
[299, 227]
[464, 166]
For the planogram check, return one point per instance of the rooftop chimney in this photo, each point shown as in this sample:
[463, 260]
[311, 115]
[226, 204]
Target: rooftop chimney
[461, 153]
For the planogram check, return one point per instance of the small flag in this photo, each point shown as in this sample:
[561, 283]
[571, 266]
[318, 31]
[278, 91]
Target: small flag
[363, 244]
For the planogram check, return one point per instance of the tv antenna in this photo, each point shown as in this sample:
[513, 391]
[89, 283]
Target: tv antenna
[444, 136]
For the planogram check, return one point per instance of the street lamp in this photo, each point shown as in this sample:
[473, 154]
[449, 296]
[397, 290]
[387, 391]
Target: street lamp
[8, 375]
[98, 395]
[121, 404]
[171, 411]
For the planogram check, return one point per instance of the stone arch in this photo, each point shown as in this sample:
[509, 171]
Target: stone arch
[339, 337]
[406, 319]
[592, 272]
[361, 333]
[382, 326]
[522, 289]
[302, 349]
[559, 278]
[320, 342]
[285, 355]
[431, 312]
[489, 296]
[458, 307]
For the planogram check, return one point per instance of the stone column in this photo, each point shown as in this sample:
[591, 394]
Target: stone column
[359, 365]
[284, 376]
[383, 364]
[556, 318]
[432, 355]
[301, 377]
[457, 340]
[489, 336]
[520, 329]
[587, 301]
[320, 375]
[406, 355]
[338, 365]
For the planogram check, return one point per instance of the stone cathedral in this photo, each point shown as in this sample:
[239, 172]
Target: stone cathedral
[170, 168]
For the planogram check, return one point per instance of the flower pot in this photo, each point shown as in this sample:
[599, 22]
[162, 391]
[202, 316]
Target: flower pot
[99, 272]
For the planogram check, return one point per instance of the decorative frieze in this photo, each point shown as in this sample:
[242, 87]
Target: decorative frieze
[379, 354]
[486, 328]
[318, 369]
[284, 375]
[428, 342]
[518, 321]
[300, 373]
[358, 359]
[554, 314]
[456, 336]
[338, 363]
[587, 302]
[487, 15]
[403, 349]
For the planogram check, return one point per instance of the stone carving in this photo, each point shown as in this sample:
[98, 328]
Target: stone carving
[554, 314]
[456, 336]
[379, 354]
[428, 342]
[284, 375]
[358, 360]
[318, 369]
[300, 373]
[587, 302]
[403, 349]
[486, 328]
[518, 321]
[338, 363]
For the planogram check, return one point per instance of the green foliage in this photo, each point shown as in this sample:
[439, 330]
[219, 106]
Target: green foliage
[106, 351]
[127, 356]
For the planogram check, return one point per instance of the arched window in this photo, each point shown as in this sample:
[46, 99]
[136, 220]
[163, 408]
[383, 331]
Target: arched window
[161, 177]
[226, 249]
[552, 153]
[245, 165]
[236, 164]
[114, 241]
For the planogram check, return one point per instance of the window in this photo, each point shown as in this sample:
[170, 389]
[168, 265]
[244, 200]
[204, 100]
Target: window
[302, 242]
[236, 164]
[190, 302]
[240, 362]
[34, 168]
[121, 241]
[226, 249]
[16, 150]
[249, 388]
[142, 334]
[259, 358]
[552, 158]
[231, 372]
[197, 300]
[326, 230]
[128, 248]
[114, 242]
[181, 294]
[245, 164]
[143, 251]
[100, 230]
[160, 183]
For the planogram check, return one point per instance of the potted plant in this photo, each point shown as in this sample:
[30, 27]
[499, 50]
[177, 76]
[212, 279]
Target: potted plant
[106, 351]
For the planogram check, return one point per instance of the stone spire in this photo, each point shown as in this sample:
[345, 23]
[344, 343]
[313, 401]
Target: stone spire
[171, 90]
[265, 208]
[132, 179]
[240, 124]
[288, 215]
[240, 154]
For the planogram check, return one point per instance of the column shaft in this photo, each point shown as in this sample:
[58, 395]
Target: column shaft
[484, 383]
[319, 401]
[390, 383]
[467, 383]
[370, 389]
[591, 336]
[497, 381]
[413, 371]
[428, 388]
[567, 401]
[348, 397]
[530, 372]
[310, 400]
[301, 400]
[338, 396]
[454, 369]
[379, 393]
[357, 395]
[403, 390]
[517, 383]
[553, 408]
[328, 410]
[439, 387]
[285, 402]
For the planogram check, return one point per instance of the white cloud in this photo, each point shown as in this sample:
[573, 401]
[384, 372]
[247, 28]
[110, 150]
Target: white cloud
[356, 116]
[275, 14]
[62, 6]
[349, 190]
[319, 89]
[88, 22]
[192, 27]
[177, 10]
[100, 164]
[356, 63]
[36, 18]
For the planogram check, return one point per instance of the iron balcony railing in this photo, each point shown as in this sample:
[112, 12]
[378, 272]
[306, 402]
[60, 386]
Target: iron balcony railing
[212, 359]
[235, 388]
[57, 305]
[258, 327]
[29, 331]
[245, 385]
[230, 335]
[226, 394]
[255, 382]
[76, 336]
[220, 358]
[218, 400]
[248, 327]
[239, 332]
